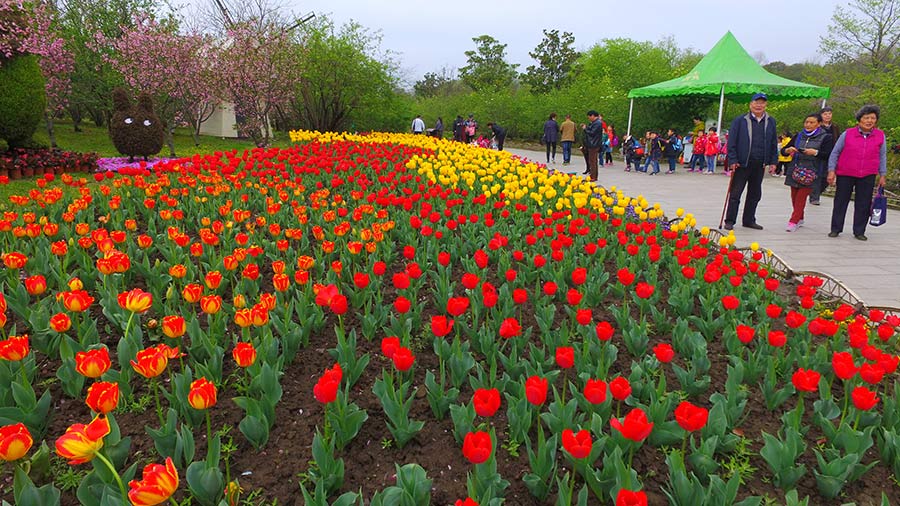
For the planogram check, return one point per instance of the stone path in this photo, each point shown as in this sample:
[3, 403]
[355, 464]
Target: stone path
[871, 269]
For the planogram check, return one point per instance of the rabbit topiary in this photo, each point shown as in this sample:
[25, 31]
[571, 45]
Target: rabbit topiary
[135, 130]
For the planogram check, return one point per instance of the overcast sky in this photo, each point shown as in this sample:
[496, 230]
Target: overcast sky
[430, 34]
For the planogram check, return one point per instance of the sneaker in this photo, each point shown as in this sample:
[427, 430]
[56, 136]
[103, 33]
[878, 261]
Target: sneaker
[813, 202]
[791, 226]
[554, 160]
[670, 172]
[627, 169]
[800, 223]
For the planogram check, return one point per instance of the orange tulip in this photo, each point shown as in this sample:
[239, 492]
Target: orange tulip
[202, 394]
[178, 271]
[81, 442]
[136, 300]
[191, 293]
[171, 352]
[75, 284]
[59, 248]
[35, 285]
[243, 318]
[210, 304]
[15, 348]
[259, 315]
[230, 262]
[281, 282]
[77, 300]
[213, 279]
[15, 260]
[144, 241]
[173, 326]
[102, 397]
[244, 354]
[60, 322]
[269, 300]
[92, 363]
[305, 263]
[15, 441]
[157, 486]
[150, 363]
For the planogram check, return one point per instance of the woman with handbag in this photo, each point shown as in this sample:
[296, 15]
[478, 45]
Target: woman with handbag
[859, 154]
[810, 150]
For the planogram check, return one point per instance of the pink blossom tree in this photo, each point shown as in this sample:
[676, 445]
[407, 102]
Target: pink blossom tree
[56, 61]
[259, 70]
[176, 69]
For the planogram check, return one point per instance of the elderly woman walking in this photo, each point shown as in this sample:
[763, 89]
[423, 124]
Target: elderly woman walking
[859, 154]
[810, 149]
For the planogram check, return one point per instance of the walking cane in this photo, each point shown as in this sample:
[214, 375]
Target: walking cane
[727, 196]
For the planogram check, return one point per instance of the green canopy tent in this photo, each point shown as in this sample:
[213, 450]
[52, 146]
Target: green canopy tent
[728, 70]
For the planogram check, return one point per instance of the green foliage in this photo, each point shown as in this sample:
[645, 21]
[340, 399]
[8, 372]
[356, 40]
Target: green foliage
[557, 62]
[22, 100]
[345, 84]
[487, 68]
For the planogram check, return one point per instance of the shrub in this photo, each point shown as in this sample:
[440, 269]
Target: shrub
[22, 100]
[39, 160]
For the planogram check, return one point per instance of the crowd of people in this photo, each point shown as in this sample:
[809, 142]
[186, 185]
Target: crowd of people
[819, 155]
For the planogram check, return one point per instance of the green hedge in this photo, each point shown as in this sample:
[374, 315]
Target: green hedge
[22, 99]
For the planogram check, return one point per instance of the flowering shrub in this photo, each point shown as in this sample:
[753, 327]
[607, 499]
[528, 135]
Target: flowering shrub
[47, 160]
[445, 323]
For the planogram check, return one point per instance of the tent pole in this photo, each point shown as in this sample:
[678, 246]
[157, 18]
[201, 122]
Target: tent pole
[630, 110]
[823, 102]
[721, 105]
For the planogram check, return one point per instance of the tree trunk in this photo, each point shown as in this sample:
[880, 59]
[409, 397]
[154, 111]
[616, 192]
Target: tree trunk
[77, 116]
[48, 118]
[170, 140]
[195, 134]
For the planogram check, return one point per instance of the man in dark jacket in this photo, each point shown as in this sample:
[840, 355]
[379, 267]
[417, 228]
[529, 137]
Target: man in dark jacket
[593, 139]
[499, 134]
[752, 149]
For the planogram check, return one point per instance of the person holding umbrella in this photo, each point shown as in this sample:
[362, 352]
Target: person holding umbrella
[752, 149]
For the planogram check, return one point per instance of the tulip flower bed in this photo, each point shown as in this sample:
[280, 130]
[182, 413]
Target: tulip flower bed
[398, 320]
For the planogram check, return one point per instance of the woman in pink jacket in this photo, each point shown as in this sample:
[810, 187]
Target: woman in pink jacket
[859, 154]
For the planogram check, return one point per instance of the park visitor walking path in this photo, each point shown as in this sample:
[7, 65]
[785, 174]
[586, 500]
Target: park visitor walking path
[870, 269]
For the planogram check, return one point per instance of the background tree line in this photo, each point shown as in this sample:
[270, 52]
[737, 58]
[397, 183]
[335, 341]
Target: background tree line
[287, 73]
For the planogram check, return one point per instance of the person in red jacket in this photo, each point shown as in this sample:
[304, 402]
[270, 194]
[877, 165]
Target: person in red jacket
[712, 150]
[698, 158]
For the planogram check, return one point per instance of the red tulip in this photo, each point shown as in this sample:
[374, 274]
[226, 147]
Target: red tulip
[773, 311]
[441, 325]
[730, 302]
[389, 345]
[403, 358]
[486, 401]
[573, 297]
[871, 373]
[631, 498]
[777, 338]
[549, 288]
[536, 390]
[863, 398]
[467, 502]
[457, 305]
[361, 280]
[578, 445]
[595, 391]
[565, 357]
[477, 447]
[402, 305]
[794, 319]
[634, 426]
[520, 296]
[745, 334]
[605, 331]
[644, 290]
[843, 365]
[625, 277]
[470, 281]
[690, 417]
[806, 380]
[579, 276]
[510, 328]
[620, 388]
[664, 352]
[327, 387]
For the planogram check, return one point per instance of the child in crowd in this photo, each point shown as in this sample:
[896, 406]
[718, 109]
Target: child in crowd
[712, 150]
[698, 158]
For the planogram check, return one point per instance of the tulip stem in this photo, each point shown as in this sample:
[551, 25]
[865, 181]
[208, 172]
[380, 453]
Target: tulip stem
[155, 385]
[208, 427]
[115, 474]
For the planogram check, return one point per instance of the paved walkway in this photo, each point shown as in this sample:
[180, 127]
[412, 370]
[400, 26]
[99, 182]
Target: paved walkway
[871, 269]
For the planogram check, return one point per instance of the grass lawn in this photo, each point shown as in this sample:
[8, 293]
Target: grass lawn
[96, 139]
